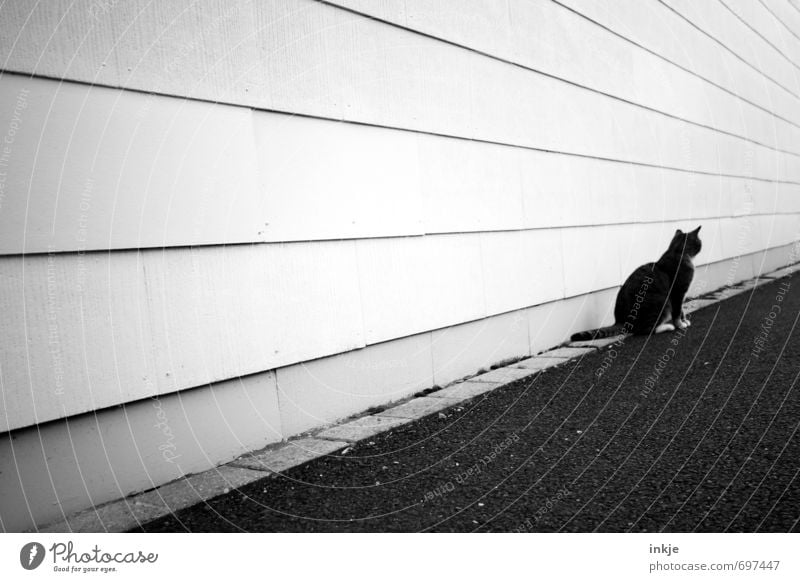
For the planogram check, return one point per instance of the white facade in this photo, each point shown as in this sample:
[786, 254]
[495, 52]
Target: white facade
[246, 220]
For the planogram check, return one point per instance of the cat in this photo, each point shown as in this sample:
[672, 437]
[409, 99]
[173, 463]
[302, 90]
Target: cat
[651, 299]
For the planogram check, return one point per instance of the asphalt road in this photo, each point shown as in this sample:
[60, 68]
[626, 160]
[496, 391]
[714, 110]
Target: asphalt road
[680, 432]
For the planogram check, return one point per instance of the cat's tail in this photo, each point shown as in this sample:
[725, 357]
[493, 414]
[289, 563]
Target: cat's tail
[598, 333]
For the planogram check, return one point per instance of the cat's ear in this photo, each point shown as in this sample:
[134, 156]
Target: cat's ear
[696, 230]
[678, 232]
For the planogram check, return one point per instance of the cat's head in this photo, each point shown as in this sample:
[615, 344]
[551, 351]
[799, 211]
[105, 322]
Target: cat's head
[687, 243]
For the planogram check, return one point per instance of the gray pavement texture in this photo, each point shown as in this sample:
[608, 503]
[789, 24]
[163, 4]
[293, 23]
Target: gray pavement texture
[679, 432]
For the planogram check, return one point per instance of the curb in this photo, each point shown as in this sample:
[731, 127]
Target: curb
[127, 513]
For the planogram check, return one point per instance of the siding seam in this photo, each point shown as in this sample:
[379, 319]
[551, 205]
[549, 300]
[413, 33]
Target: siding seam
[550, 75]
[428, 234]
[757, 33]
[450, 136]
[778, 20]
[735, 54]
[681, 67]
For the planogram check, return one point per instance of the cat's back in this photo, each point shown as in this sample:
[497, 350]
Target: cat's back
[645, 286]
[643, 279]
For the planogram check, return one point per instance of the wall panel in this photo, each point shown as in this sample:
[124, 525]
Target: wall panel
[84, 332]
[326, 179]
[723, 25]
[209, 52]
[784, 13]
[470, 186]
[521, 268]
[95, 168]
[547, 37]
[358, 69]
[764, 22]
[63, 467]
[462, 350]
[654, 26]
[155, 171]
[322, 391]
[550, 324]
[76, 335]
[410, 285]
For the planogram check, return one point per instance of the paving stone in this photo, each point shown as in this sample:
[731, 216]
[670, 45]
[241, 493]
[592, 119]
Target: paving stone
[362, 428]
[502, 375]
[200, 487]
[695, 304]
[537, 363]
[762, 281]
[419, 407]
[117, 516]
[784, 271]
[727, 293]
[288, 455]
[597, 343]
[567, 352]
[124, 514]
[465, 390]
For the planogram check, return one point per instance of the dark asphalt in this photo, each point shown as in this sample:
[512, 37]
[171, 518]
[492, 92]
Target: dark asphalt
[712, 447]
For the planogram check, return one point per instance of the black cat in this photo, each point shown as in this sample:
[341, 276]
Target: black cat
[651, 299]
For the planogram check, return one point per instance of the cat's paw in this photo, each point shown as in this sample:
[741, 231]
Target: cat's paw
[665, 327]
[686, 322]
[681, 323]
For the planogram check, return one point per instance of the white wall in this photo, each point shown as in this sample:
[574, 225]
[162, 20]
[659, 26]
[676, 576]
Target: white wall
[193, 193]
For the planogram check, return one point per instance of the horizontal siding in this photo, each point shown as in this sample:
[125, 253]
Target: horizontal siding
[666, 33]
[765, 23]
[88, 331]
[547, 37]
[787, 18]
[175, 63]
[68, 465]
[403, 167]
[365, 181]
[98, 168]
[82, 332]
[371, 72]
[722, 24]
